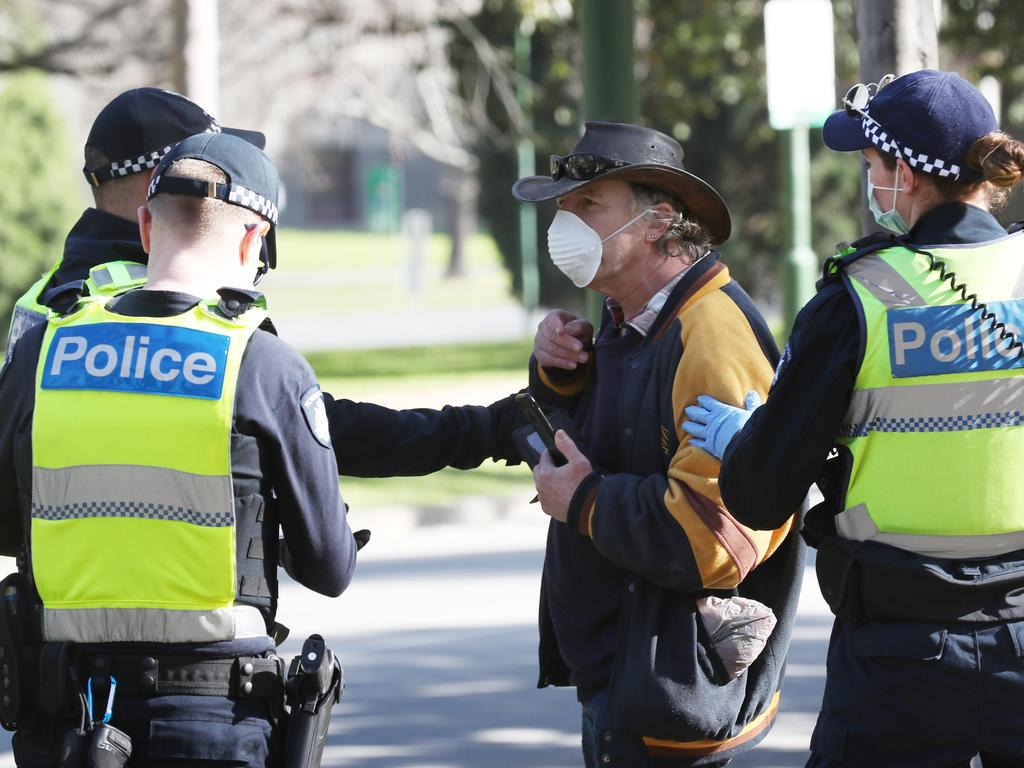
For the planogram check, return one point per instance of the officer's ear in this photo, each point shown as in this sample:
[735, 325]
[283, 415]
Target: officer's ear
[145, 226]
[252, 243]
[908, 181]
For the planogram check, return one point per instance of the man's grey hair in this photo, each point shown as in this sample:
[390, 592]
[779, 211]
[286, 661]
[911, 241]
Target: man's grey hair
[685, 238]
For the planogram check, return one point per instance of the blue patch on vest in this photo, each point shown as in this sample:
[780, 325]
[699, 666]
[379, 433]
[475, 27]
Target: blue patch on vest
[932, 341]
[137, 357]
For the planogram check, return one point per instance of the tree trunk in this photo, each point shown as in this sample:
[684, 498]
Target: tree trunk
[463, 193]
[897, 36]
[196, 51]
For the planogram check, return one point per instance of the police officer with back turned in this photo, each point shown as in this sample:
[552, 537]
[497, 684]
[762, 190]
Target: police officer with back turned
[126, 141]
[907, 365]
[151, 447]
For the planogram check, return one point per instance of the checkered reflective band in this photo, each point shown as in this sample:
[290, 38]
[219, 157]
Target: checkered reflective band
[933, 165]
[148, 161]
[254, 201]
[960, 423]
[136, 509]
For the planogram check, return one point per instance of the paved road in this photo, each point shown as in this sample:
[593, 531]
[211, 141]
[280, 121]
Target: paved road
[438, 639]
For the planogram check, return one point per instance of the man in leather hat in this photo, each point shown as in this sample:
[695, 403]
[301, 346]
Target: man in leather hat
[641, 551]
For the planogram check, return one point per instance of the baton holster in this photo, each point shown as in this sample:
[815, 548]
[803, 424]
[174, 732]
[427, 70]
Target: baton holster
[314, 685]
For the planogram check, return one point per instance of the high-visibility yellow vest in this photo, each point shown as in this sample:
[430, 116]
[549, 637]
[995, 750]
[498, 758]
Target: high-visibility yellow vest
[133, 528]
[108, 279]
[936, 420]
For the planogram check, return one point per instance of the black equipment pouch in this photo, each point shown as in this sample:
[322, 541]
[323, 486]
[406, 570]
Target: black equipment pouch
[55, 691]
[19, 646]
[315, 684]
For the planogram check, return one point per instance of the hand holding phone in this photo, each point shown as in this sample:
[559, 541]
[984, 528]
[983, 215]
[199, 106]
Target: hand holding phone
[528, 405]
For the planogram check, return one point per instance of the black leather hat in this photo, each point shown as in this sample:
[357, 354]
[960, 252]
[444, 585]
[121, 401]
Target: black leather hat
[631, 153]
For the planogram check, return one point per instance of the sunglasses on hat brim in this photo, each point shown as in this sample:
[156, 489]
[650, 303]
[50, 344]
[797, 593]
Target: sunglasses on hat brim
[583, 166]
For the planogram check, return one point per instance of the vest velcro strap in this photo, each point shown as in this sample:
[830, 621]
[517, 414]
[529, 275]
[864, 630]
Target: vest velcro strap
[169, 675]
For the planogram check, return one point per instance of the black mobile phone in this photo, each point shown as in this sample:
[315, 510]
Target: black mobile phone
[540, 422]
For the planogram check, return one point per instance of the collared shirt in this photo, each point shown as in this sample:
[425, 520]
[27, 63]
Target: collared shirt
[642, 321]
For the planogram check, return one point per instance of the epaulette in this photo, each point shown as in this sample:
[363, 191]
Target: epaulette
[847, 253]
[63, 298]
[236, 301]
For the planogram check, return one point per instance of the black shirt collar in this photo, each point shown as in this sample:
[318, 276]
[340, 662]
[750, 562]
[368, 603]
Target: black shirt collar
[146, 303]
[96, 238]
[953, 224]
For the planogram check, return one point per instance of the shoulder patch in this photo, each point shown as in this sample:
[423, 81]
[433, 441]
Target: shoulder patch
[313, 408]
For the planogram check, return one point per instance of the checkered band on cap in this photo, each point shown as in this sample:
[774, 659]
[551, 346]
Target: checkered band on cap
[886, 143]
[145, 162]
[254, 202]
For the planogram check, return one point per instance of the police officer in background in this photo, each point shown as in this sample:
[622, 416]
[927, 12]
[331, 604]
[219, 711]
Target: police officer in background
[151, 446]
[907, 365]
[126, 141]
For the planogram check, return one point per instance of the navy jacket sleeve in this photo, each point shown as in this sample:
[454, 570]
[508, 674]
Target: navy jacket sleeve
[274, 382]
[17, 398]
[772, 463]
[373, 441]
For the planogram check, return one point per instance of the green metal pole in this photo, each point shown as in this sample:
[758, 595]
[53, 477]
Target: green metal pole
[609, 85]
[527, 153]
[801, 263]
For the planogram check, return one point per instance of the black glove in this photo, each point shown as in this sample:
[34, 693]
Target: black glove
[362, 537]
[506, 418]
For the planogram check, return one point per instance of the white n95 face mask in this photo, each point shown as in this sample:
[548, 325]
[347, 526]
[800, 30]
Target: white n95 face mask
[575, 248]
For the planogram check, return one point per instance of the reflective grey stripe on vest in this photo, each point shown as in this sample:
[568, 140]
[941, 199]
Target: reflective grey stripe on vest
[127, 273]
[113, 491]
[884, 283]
[935, 407]
[856, 524]
[21, 321]
[156, 625]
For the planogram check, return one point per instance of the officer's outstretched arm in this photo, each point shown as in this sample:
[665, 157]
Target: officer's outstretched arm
[304, 474]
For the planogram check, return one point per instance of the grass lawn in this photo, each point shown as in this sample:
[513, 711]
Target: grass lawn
[341, 271]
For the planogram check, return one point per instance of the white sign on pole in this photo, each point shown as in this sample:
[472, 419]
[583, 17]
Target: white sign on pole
[800, 58]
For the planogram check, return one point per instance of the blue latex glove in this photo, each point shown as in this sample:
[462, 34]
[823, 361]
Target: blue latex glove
[714, 424]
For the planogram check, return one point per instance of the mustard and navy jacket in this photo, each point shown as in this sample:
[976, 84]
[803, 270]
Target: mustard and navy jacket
[647, 533]
[283, 475]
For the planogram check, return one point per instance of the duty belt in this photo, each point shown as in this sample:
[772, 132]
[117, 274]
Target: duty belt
[139, 675]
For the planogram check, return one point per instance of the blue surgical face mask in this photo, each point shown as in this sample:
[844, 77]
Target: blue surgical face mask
[891, 219]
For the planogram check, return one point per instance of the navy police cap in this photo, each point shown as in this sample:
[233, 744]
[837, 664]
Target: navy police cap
[252, 179]
[929, 119]
[140, 126]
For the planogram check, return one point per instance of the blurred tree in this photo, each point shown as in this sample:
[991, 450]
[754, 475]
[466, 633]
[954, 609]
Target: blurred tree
[37, 201]
[83, 37]
[981, 38]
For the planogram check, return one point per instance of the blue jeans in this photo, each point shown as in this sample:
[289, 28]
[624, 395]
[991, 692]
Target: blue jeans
[593, 715]
[914, 695]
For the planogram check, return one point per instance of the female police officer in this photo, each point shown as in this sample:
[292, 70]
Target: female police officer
[908, 367]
